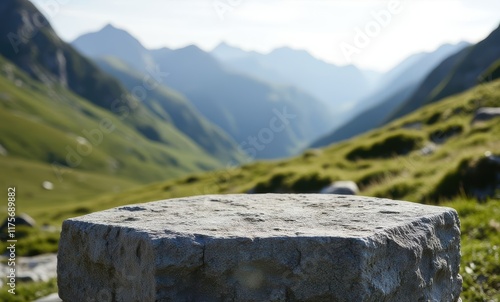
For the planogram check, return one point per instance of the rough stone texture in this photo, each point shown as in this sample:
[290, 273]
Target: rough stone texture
[262, 248]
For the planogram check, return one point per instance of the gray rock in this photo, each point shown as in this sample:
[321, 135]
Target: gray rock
[492, 158]
[47, 185]
[342, 188]
[27, 277]
[21, 220]
[486, 113]
[265, 247]
[442, 136]
[33, 269]
[429, 149]
[51, 298]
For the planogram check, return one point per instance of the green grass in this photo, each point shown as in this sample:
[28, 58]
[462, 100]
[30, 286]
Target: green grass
[480, 265]
[74, 185]
[28, 292]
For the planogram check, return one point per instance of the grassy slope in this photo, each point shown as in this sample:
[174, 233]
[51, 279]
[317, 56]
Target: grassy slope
[409, 176]
[38, 126]
[412, 177]
[27, 176]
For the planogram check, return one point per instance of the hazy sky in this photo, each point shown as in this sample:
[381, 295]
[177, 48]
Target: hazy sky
[322, 27]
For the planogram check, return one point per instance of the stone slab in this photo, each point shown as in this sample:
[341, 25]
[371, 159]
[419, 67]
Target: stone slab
[267, 247]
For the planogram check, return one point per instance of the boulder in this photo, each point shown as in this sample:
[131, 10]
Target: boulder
[21, 220]
[263, 247]
[476, 177]
[40, 268]
[341, 188]
[27, 277]
[492, 158]
[485, 114]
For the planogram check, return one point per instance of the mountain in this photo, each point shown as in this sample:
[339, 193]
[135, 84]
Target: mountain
[369, 119]
[456, 74]
[268, 121]
[38, 51]
[244, 107]
[226, 52]
[336, 86]
[492, 73]
[373, 78]
[113, 41]
[173, 107]
[396, 87]
[421, 64]
[74, 115]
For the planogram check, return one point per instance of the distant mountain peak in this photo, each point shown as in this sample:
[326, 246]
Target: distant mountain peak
[223, 45]
[162, 49]
[191, 49]
[303, 54]
[224, 51]
[111, 29]
[112, 32]
[109, 26]
[453, 46]
[289, 50]
[111, 40]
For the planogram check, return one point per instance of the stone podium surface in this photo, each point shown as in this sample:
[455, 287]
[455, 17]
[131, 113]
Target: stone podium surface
[268, 247]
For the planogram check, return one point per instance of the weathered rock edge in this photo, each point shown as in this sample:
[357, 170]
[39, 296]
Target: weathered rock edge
[262, 248]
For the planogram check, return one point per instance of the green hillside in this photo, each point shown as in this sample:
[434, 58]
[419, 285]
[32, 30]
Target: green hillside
[386, 162]
[74, 186]
[51, 125]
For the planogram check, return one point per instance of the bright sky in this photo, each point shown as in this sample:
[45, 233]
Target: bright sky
[321, 27]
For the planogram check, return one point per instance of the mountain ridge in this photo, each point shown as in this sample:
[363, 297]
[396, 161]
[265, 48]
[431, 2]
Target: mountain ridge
[457, 74]
[287, 66]
[400, 84]
[241, 105]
